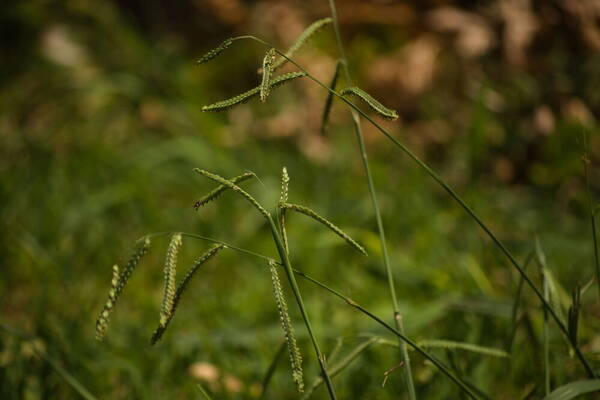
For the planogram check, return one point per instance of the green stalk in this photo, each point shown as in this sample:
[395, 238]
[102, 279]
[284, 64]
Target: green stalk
[373, 194]
[463, 386]
[456, 197]
[296, 290]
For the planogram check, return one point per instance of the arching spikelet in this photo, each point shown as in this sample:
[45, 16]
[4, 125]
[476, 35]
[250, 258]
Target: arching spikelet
[329, 101]
[379, 108]
[181, 288]
[244, 97]
[285, 180]
[118, 282]
[265, 85]
[301, 41]
[216, 51]
[212, 195]
[288, 329]
[307, 211]
[235, 188]
[170, 272]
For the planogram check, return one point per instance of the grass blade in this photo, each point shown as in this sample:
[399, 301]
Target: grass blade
[473, 348]
[337, 368]
[515, 307]
[62, 372]
[574, 389]
[271, 370]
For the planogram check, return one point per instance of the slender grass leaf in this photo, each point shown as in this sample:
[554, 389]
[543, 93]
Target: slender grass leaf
[574, 389]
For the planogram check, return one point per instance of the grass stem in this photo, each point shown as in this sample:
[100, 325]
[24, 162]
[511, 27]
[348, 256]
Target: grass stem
[373, 194]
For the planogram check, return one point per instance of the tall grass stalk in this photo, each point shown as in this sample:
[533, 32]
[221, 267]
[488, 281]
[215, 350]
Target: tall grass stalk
[415, 346]
[373, 194]
[281, 250]
[440, 181]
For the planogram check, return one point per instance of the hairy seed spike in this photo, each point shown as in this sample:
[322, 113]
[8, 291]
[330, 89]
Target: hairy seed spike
[285, 180]
[288, 329]
[307, 211]
[301, 41]
[242, 98]
[235, 188]
[160, 330]
[379, 108]
[216, 51]
[118, 282]
[213, 194]
[329, 101]
[170, 272]
[265, 85]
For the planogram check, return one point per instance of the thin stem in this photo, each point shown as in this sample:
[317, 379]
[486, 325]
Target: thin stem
[464, 387]
[296, 290]
[208, 239]
[373, 194]
[316, 282]
[457, 198]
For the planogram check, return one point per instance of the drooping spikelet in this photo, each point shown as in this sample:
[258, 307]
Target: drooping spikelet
[288, 329]
[181, 288]
[235, 188]
[265, 85]
[170, 271]
[301, 41]
[376, 106]
[307, 211]
[118, 282]
[216, 51]
[285, 180]
[213, 194]
[242, 98]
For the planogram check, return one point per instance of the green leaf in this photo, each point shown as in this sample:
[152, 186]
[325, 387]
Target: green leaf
[574, 389]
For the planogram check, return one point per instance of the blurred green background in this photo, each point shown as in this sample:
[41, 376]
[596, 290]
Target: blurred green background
[101, 125]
